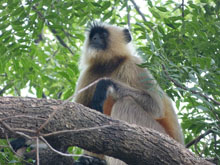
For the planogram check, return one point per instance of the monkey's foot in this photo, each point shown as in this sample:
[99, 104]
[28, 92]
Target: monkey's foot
[89, 160]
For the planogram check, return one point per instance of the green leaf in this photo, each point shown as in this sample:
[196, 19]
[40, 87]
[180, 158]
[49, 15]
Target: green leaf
[155, 14]
[149, 3]
[65, 75]
[18, 11]
[3, 49]
[67, 94]
[106, 5]
[149, 24]
[17, 22]
[39, 92]
[107, 16]
[3, 18]
[3, 26]
[161, 30]
[169, 23]
[203, 108]
[163, 9]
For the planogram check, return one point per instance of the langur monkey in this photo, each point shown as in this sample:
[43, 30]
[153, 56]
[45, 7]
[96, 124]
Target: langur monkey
[130, 93]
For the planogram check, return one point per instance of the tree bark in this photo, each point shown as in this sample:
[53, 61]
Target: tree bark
[130, 143]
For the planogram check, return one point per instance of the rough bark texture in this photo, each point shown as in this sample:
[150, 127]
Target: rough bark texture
[130, 143]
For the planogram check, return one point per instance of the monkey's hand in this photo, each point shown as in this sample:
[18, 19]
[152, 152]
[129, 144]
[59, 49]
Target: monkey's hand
[118, 90]
[100, 94]
[89, 160]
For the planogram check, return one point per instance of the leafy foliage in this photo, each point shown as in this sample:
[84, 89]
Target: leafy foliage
[40, 45]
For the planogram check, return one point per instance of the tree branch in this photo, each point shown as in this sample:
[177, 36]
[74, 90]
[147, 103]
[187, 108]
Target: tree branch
[182, 9]
[197, 139]
[52, 30]
[118, 139]
[187, 89]
[128, 15]
[5, 88]
[137, 8]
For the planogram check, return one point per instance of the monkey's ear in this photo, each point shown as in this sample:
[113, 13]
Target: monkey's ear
[127, 35]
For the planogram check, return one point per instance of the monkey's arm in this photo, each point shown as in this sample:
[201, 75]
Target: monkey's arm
[100, 94]
[117, 90]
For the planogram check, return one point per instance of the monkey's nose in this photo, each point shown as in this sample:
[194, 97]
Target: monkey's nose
[97, 42]
[95, 37]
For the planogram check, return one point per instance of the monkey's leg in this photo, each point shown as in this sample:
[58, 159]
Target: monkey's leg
[128, 110]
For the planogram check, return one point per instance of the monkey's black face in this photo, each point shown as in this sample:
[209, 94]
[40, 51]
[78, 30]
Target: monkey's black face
[98, 37]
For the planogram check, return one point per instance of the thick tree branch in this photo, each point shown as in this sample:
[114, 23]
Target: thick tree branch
[129, 143]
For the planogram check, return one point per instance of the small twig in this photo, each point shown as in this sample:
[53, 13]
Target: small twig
[37, 151]
[25, 135]
[197, 139]
[9, 144]
[62, 105]
[137, 8]
[44, 95]
[54, 53]
[60, 39]
[77, 130]
[88, 86]
[215, 142]
[6, 126]
[205, 145]
[196, 149]
[52, 30]
[182, 9]
[183, 22]
[23, 130]
[128, 16]
[5, 88]
[18, 92]
[58, 152]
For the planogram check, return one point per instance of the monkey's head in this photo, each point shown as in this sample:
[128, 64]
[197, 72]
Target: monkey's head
[104, 42]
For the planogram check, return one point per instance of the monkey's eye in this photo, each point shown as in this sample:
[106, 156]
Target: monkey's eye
[104, 35]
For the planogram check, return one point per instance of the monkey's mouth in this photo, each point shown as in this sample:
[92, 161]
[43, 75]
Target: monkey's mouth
[98, 46]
